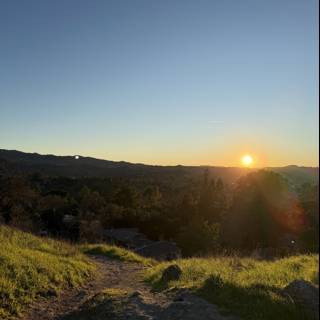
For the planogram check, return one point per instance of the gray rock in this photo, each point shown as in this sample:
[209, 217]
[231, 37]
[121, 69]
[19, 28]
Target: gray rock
[190, 307]
[121, 236]
[305, 295]
[132, 239]
[172, 273]
[160, 250]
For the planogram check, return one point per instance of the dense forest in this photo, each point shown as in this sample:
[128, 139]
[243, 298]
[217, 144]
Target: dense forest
[201, 213]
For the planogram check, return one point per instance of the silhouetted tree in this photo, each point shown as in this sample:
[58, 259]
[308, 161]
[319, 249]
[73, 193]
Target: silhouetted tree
[264, 208]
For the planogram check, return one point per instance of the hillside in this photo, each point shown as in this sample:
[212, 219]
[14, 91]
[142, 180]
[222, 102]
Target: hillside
[69, 166]
[32, 267]
[37, 276]
[249, 288]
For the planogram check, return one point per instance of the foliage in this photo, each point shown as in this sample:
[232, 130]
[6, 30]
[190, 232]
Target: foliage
[246, 287]
[31, 266]
[256, 212]
[199, 237]
[264, 209]
[309, 199]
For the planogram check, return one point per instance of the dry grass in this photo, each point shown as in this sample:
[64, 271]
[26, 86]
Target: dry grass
[31, 266]
[114, 252]
[246, 287]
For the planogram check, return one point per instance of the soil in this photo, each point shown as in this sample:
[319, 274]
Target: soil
[139, 304]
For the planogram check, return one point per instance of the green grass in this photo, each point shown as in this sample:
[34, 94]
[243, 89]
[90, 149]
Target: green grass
[116, 253]
[31, 267]
[245, 287]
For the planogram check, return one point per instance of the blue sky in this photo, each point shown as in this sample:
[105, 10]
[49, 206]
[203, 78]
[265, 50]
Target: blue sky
[166, 82]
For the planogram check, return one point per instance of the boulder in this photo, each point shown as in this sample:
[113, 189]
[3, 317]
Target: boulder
[160, 250]
[187, 306]
[130, 238]
[305, 295]
[171, 273]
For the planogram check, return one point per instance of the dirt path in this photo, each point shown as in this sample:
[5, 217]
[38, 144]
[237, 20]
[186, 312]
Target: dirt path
[109, 274]
[141, 304]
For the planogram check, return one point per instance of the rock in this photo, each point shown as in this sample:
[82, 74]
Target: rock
[187, 306]
[136, 294]
[305, 295]
[160, 250]
[122, 236]
[172, 273]
[132, 239]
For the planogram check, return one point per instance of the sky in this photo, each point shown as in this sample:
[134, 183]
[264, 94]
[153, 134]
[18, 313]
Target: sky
[198, 82]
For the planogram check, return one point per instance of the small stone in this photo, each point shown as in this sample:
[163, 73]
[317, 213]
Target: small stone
[305, 295]
[172, 273]
[136, 294]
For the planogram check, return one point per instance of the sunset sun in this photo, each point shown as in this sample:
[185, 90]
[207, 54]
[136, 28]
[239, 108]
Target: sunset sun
[247, 160]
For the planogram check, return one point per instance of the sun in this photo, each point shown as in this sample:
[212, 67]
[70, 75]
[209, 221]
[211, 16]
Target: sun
[247, 160]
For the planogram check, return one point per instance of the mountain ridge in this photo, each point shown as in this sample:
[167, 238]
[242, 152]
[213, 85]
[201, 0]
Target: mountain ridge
[83, 166]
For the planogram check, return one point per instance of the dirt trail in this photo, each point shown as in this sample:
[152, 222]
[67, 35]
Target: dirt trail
[109, 274]
[141, 304]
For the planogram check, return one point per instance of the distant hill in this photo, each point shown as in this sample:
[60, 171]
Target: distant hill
[298, 174]
[72, 166]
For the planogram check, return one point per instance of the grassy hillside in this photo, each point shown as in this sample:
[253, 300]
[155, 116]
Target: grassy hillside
[32, 266]
[246, 287]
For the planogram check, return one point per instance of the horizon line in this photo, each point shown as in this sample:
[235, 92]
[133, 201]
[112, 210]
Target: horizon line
[161, 165]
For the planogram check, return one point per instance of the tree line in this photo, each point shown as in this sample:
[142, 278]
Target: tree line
[203, 215]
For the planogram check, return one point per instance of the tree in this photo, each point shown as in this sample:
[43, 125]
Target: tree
[309, 198]
[126, 197]
[212, 200]
[264, 208]
[199, 237]
[152, 196]
[186, 209]
[21, 219]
